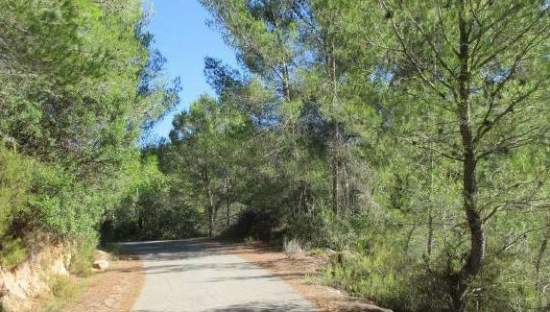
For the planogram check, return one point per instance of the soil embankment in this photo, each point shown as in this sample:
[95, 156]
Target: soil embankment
[22, 285]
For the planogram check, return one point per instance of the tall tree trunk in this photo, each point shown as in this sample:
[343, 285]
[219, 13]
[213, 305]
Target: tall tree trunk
[336, 148]
[227, 212]
[542, 250]
[472, 267]
[429, 243]
[210, 196]
[336, 172]
[538, 262]
[211, 213]
[409, 237]
[227, 201]
[286, 79]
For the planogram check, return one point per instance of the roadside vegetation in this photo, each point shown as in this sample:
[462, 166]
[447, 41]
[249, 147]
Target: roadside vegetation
[408, 139]
[78, 84]
[64, 291]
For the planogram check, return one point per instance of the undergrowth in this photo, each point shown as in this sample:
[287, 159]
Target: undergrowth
[64, 291]
[12, 253]
[83, 257]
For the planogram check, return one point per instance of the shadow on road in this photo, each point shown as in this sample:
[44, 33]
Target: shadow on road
[253, 307]
[179, 250]
[172, 250]
[259, 307]
[208, 276]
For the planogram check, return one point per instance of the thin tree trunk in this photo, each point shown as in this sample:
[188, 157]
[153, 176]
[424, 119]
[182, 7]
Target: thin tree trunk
[211, 212]
[210, 196]
[227, 203]
[409, 238]
[227, 212]
[286, 79]
[542, 250]
[429, 243]
[336, 175]
[540, 256]
[472, 267]
[336, 152]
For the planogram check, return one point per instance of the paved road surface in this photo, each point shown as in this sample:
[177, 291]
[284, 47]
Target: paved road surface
[197, 275]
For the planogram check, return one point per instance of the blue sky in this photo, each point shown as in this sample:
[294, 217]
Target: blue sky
[182, 36]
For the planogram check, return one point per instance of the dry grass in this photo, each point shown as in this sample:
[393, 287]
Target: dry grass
[113, 290]
[65, 290]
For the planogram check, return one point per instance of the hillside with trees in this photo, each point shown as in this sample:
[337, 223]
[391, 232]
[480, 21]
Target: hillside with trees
[410, 137]
[78, 84]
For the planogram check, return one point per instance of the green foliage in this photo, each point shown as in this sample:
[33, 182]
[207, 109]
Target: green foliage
[78, 82]
[15, 174]
[382, 274]
[61, 287]
[83, 256]
[153, 211]
[410, 136]
[12, 253]
[64, 291]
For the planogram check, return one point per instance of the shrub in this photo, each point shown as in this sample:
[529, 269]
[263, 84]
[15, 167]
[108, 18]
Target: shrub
[383, 275]
[15, 175]
[83, 257]
[64, 290]
[12, 253]
[38, 196]
[293, 248]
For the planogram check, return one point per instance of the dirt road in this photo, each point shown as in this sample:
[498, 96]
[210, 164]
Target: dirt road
[198, 275]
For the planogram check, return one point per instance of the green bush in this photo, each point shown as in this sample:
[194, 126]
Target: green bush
[12, 253]
[35, 197]
[381, 273]
[64, 290]
[15, 175]
[81, 83]
[83, 257]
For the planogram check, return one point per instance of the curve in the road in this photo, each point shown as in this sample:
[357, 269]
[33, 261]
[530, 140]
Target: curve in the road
[196, 275]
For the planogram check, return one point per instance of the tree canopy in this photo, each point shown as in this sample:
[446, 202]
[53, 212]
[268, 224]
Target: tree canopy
[410, 137]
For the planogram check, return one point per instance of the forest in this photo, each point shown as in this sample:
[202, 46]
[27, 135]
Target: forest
[412, 138]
